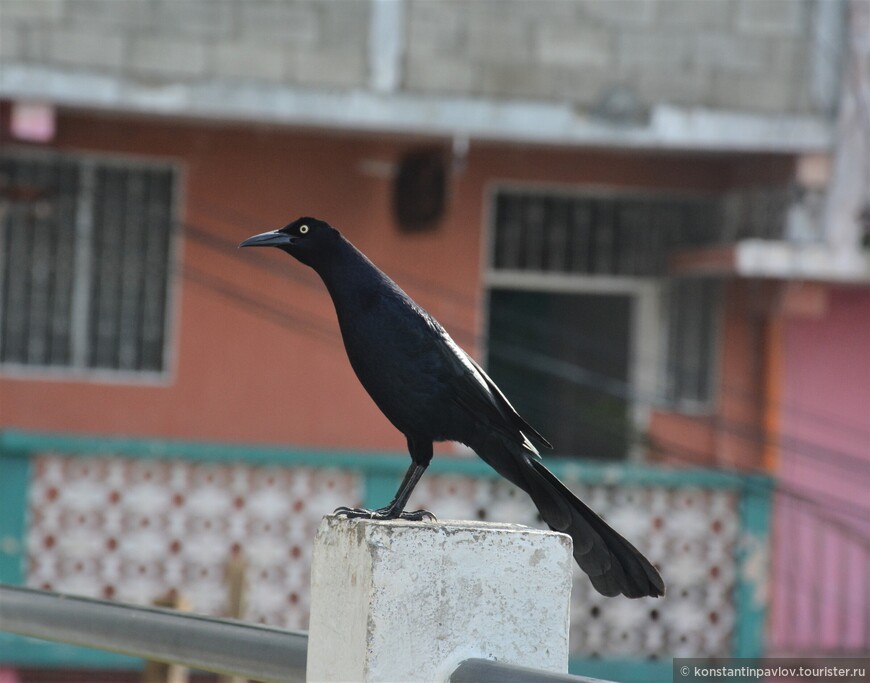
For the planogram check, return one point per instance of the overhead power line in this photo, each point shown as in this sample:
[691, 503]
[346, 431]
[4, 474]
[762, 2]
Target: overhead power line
[467, 336]
[306, 324]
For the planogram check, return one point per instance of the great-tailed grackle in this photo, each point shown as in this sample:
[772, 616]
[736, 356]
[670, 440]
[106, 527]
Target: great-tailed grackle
[431, 390]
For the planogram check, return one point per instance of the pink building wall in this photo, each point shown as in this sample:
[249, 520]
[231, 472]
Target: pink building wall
[821, 563]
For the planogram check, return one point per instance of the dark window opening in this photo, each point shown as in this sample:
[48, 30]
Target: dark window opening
[563, 361]
[84, 263]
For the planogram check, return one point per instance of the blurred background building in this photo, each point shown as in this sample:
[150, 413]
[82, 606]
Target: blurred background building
[648, 219]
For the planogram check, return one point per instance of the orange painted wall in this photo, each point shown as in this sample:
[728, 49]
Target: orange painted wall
[740, 435]
[237, 376]
[734, 433]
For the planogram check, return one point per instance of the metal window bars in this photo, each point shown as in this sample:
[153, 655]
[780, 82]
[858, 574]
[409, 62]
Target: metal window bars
[85, 262]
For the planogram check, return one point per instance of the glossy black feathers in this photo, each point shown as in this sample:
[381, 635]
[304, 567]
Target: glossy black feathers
[431, 390]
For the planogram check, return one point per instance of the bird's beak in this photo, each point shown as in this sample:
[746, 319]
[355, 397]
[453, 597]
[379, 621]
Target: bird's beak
[268, 239]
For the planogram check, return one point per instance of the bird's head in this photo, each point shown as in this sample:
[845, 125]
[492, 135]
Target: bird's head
[306, 239]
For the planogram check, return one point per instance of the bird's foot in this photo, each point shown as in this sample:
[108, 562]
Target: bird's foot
[418, 516]
[385, 514]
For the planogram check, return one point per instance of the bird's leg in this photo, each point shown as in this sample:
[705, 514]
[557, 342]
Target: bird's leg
[396, 508]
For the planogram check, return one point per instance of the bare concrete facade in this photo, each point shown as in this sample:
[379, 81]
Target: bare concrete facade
[583, 70]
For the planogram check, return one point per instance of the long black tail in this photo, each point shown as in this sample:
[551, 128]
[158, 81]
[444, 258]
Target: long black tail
[613, 564]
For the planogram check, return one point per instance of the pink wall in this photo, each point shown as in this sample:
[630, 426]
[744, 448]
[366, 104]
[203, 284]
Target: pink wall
[821, 569]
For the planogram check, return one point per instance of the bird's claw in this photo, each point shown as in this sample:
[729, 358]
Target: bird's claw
[385, 514]
[352, 513]
[418, 516]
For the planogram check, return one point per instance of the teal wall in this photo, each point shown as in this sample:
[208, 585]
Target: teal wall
[381, 473]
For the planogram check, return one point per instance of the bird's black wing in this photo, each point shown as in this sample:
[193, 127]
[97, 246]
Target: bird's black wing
[501, 400]
[474, 392]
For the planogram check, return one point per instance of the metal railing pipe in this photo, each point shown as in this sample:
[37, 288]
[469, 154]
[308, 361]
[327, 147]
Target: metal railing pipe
[488, 671]
[224, 646]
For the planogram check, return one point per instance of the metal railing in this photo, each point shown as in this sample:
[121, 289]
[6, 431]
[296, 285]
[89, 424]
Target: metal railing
[224, 646]
[487, 671]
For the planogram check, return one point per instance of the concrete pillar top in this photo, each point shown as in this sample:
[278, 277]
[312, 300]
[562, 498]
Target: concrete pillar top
[409, 601]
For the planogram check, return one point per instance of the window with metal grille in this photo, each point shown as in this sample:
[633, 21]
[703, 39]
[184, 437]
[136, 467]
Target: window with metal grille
[560, 245]
[693, 312]
[85, 263]
[599, 235]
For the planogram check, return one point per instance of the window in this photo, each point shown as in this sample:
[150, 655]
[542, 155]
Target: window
[612, 235]
[575, 321]
[693, 315]
[563, 359]
[85, 263]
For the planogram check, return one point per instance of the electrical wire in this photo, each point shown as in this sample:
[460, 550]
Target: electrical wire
[236, 219]
[292, 320]
[656, 444]
[597, 381]
[472, 337]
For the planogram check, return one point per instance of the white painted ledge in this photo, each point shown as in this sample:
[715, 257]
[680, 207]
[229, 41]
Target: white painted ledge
[780, 259]
[410, 601]
[477, 118]
[777, 259]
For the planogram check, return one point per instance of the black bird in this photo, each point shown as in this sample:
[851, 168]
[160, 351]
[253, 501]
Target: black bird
[431, 390]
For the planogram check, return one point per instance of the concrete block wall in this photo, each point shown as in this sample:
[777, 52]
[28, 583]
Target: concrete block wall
[312, 42]
[748, 55]
[751, 55]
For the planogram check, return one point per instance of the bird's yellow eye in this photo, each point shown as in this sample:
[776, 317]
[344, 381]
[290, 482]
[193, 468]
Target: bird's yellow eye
[303, 229]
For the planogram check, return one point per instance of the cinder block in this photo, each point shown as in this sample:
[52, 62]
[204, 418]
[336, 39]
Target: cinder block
[32, 10]
[731, 51]
[111, 14]
[333, 68]
[343, 24]
[694, 14]
[575, 45]
[585, 87]
[404, 601]
[433, 28]
[679, 85]
[669, 48]
[444, 74]
[84, 48]
[531, 13]
[11, 43]
[753, 92]
[772, 17]
[214, 19]
[249, 61]
[494, 34]
[167, 57]
[434, 33]
[787, 58]
[504, 79]
[297, 24]
[634, 13]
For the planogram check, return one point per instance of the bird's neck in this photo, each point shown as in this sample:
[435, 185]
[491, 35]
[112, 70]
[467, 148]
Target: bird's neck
[350, 277]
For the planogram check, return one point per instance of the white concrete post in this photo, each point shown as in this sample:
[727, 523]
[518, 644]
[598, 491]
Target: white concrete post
[408, 601]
